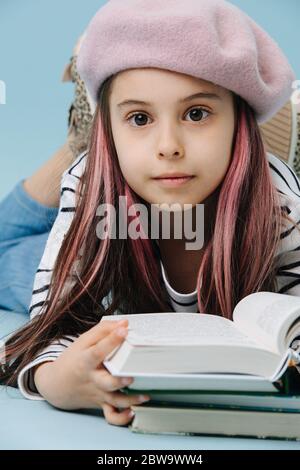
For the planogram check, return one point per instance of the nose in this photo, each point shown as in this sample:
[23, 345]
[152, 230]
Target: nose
[170, 155]
[169, 146]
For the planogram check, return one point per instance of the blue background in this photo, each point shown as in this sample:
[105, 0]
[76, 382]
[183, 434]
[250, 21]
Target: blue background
[36, 41]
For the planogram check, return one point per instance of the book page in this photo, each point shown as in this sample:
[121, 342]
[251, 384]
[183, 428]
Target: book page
[182, 329]
[266, 317]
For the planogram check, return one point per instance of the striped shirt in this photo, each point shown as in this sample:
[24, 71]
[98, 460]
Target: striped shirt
[288, 258]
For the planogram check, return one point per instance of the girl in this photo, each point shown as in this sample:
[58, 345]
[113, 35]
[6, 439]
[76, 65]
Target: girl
[179, 88]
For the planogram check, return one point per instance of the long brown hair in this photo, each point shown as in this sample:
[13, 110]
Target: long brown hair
[238, 259]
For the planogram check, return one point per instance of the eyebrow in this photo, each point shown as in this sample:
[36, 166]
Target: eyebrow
[183, 100]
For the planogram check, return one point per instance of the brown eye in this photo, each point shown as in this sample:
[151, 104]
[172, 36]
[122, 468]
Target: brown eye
[197, 113]
[139, 118]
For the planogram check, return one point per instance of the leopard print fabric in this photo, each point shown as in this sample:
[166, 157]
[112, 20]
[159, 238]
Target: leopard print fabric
[80, 116]
[296, 161]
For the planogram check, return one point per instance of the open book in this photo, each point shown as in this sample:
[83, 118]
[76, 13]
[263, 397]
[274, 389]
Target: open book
[259, 343]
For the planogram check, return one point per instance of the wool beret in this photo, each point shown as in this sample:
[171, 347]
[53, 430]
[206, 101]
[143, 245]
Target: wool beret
[209, 39]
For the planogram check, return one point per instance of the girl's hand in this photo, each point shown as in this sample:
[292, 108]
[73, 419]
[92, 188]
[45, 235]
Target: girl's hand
[77, 378]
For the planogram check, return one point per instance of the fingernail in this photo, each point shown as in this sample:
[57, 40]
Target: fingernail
[126, 381]
[131, 414]
[143, 398]
[121, 331]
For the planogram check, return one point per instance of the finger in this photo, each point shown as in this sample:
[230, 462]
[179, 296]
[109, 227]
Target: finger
[119, 399]
[115, 417]
[99, 331]
[97, 353]
[103, 380]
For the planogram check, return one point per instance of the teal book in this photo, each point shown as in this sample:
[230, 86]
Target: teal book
[151, 419]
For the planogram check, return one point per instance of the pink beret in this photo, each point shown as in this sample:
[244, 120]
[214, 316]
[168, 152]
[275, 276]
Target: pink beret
[210, 39]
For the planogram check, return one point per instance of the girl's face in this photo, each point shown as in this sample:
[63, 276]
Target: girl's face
[168, 132]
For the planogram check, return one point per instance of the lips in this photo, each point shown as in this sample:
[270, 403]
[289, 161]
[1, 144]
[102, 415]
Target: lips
[173, 182]
[173, 176]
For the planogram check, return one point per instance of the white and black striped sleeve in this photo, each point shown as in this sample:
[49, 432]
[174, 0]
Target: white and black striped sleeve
[288, 258]
[288, 255]
[69, 182]
[25, 378]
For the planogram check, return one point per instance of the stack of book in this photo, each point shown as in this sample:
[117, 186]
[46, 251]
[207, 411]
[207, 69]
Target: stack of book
[209, 375]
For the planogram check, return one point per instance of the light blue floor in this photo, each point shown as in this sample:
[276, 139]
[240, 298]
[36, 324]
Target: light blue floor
[29, 424]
